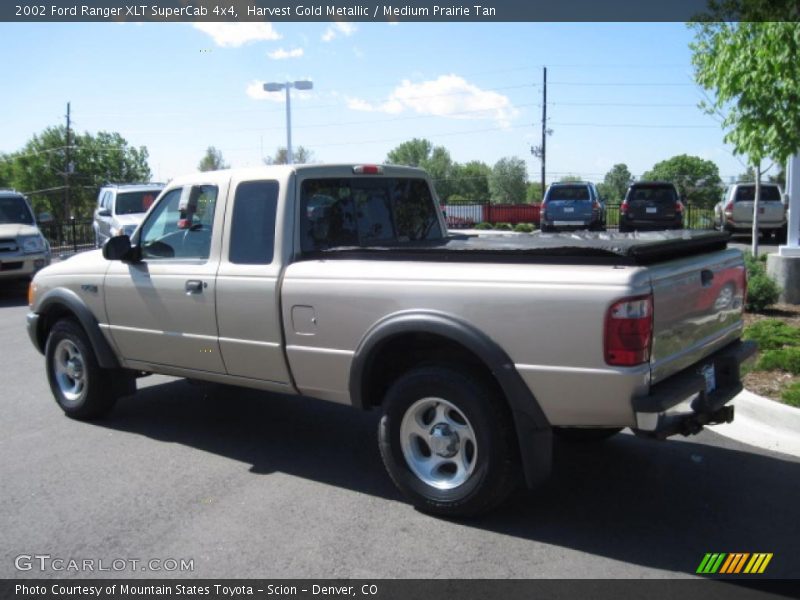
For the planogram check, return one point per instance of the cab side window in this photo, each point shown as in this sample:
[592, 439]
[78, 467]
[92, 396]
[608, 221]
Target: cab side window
[181, 224]
[253, 224]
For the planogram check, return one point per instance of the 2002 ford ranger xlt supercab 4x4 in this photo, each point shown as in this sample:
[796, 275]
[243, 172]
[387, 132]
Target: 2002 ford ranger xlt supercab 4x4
[342, 283]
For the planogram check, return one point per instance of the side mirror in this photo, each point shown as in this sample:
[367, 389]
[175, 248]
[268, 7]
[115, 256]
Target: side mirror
[103, 212]
[118, 248]
[44, 218]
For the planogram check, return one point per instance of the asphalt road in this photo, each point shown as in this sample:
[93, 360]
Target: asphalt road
[252, 485]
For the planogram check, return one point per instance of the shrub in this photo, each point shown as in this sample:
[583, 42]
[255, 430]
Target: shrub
[782, 359]
[791, 394]
[483, 225]
[503, 226]
[524, 227]
[762, 292]
[772, 334]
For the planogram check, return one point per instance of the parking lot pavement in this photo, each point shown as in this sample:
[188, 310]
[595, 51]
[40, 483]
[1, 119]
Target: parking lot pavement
[247, 484]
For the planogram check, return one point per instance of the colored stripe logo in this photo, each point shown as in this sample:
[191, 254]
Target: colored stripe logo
[722, 563]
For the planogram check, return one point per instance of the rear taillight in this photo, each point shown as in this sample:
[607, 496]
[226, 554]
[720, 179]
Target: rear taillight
[542, 210]
[623, 208]
[679, 207]
[629, 331]
[596, 206]
[729, 209]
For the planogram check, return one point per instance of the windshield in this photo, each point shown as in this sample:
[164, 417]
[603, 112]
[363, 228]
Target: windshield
[660, 194]
[568, 192]
[15, 210]
[130, 203]
[769, 193]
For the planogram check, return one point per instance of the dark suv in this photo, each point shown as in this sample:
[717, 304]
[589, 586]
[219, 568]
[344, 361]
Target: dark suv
[651, 205]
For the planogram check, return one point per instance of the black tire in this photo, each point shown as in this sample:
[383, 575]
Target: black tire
[95, 389]
[586, 435]
[494, 467]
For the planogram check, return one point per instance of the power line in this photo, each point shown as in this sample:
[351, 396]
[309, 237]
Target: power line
[636, 126]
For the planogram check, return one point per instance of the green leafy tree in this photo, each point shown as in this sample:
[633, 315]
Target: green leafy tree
[749, 176]
[753, 74]
[300, 155]
[615, 183]
[471, 181]
[412, 153]
[508, 182]
[697, 179]
[212, 161]
[569, 179]
[39, 168]
[435, 160]
[534, 192]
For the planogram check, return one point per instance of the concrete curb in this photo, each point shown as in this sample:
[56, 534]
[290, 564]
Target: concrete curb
[763, 423]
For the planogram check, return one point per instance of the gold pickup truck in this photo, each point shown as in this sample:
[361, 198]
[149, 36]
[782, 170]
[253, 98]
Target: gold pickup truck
[341, 282]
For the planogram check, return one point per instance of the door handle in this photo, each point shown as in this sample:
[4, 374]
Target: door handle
[194, 286]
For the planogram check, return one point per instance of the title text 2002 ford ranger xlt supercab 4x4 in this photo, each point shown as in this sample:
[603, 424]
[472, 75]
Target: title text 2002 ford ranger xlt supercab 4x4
[342, 283]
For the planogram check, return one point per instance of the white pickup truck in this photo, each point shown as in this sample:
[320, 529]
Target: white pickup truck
[342, 283]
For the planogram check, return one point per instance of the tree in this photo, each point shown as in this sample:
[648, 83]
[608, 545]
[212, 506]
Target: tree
[471, 181]
[434, 159]
[412, 153]
[569, 179]
[751, 69]
[300, 155]
[38, 169]
[616, 182]
[508, 181]
[697, 179]
[749, 176]
[534, 193]
[212, 161]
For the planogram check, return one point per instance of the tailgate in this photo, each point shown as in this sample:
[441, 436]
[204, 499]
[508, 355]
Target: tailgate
[570, 210]
[769, 212]
[698, 304]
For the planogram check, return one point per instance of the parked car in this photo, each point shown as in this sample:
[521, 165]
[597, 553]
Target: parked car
[574, 205]
[23, 248]
[651, 205]
[734, 213]
[121, 207]
[341, 282]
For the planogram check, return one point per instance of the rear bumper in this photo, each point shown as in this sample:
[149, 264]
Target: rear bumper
[680, 404]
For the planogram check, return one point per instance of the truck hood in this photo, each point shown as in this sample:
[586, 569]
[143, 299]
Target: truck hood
[81, 263]
[8, 230]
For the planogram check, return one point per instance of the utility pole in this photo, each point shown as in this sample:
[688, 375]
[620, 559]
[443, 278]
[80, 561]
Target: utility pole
[67, 166]
[540, 152]
[544, 126]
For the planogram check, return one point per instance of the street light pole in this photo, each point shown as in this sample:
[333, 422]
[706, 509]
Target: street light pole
[276, 87]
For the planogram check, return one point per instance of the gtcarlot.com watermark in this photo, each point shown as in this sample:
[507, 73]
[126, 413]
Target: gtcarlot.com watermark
[44, 563]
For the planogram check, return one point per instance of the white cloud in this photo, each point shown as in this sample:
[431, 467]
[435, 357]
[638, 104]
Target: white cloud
[255, 89]
[281, 54]
[233, 35]
[343, 28]
[448, 96]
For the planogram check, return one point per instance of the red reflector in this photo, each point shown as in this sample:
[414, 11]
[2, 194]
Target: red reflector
[678, 207]
[368, 170]
[629, 330]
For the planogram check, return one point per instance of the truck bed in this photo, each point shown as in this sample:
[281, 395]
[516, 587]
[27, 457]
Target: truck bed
[640, 248]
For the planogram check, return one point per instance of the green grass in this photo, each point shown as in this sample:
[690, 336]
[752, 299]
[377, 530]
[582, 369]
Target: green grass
[791, 394]
[783, 359]
[772, 334]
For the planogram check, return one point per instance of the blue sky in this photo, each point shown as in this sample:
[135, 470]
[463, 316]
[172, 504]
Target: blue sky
[617, 93]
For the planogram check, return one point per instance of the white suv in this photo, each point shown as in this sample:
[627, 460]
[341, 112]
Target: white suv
[23, 248]
[121, 207]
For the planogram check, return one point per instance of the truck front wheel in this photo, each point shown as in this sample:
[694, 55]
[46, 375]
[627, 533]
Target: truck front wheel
[447, 440]
[80, 386]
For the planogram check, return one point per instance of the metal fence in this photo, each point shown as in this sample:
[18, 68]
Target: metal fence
[460, 216]
[70, 236]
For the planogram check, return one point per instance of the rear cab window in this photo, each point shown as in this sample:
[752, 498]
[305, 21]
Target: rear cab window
[131, 203]
[356, 211]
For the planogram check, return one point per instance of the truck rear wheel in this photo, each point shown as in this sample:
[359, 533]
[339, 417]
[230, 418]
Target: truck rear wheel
[447, 441]
[80, 386]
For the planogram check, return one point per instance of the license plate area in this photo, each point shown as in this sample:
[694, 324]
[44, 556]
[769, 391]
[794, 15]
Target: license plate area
[569, 209]
[710, 375]
[651, 210]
